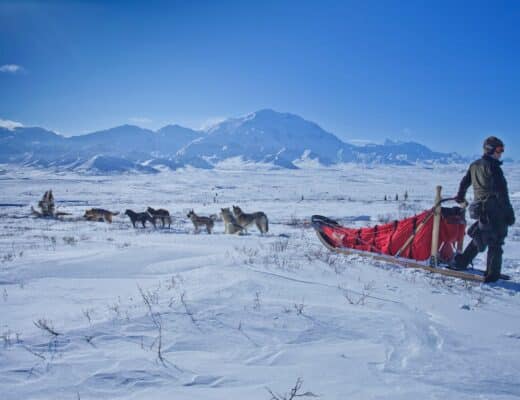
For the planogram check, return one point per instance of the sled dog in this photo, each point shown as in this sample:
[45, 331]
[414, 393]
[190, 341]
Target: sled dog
[198, 221]
[99, 214]
[161, 214]
[245, 219]
[230, 223]
[141, 217]
[46, 204]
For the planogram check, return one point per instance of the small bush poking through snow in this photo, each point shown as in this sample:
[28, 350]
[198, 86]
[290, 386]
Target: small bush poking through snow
[280, 245]
[70, 240]
[293, 393]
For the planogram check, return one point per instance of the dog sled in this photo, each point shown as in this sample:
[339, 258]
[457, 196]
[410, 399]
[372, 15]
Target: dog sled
[427, 241]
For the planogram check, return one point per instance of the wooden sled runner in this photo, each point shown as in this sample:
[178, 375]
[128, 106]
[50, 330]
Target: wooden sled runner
[426, 241]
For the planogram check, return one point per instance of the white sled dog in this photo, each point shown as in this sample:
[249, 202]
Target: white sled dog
[199, 221]
[245, 219]
[230, 223]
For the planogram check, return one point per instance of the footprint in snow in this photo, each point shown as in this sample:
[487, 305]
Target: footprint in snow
[513, 335]
[206, 380]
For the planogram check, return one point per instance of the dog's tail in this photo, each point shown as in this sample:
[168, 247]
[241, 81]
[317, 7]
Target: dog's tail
[115, 213]
[213, 217]
[263, 224]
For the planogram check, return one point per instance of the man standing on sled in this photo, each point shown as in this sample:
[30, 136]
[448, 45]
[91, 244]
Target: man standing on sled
[491, 207]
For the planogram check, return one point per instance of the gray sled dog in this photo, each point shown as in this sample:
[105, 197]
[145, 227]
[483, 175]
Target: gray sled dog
[199, 221]
[99, 214]
[161, 214]
[231, 225]
[245, 219]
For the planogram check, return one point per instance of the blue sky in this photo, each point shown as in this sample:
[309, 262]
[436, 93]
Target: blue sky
[443, 73]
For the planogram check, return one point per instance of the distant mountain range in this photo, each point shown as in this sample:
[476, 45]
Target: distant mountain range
[281, 140]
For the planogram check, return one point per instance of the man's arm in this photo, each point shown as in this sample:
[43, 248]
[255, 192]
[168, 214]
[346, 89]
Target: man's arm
[501, 186]
[503, 194]
[463, 187]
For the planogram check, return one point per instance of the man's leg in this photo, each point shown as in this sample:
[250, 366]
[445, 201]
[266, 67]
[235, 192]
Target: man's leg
[494, 257]
[464, 259]
[494, 238]
[494, 262]
[477, 245]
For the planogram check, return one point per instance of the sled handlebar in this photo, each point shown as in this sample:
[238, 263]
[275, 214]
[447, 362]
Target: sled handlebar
[463, 204]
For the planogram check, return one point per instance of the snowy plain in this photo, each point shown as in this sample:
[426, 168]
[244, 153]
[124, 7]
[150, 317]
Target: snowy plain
[169, 313]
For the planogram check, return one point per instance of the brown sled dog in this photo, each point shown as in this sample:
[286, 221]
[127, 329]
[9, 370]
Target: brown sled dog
[161, 214]
[141, 217]
[245, 219]
[199, 221]
[99, 214]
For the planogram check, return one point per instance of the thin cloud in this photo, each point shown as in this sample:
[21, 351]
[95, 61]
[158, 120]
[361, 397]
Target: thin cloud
[210, 122]
[9, 125]
[11, 68]
[141, 120]
[360, 142]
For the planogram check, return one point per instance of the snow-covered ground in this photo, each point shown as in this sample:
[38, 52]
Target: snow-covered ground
[169, 314]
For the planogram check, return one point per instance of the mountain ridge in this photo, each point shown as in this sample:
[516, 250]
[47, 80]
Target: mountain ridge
[283, 140]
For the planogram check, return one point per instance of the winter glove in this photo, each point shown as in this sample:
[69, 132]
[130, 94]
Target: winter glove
[460, 198]
[510, 216]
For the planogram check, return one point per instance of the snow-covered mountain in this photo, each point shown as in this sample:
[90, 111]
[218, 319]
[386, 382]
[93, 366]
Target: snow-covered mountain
[392, 152]
[120, 149]
[269, 136]
[282, 140]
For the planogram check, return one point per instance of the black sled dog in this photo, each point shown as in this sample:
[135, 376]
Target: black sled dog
[141, 217]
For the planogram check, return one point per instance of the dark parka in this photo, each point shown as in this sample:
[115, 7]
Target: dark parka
[490, 188]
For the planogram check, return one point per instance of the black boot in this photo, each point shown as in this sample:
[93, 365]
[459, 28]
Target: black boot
[494, 263]
[463, 260]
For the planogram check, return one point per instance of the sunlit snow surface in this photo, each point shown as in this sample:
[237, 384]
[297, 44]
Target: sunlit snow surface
[235, 316]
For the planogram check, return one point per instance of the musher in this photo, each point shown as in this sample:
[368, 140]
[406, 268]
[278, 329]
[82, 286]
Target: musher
[491, 207]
